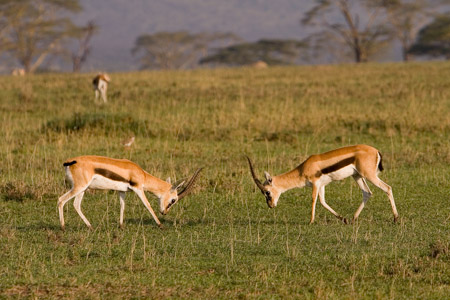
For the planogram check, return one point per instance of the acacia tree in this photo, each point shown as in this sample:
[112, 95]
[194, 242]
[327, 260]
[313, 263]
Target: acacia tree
[83, 36]
[273, 52]
[176, 50]
[434, 39]
[406, 17]
[357, 25]
[34, 29]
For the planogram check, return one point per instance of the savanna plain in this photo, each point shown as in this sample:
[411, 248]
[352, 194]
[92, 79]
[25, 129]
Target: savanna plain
[222, 241]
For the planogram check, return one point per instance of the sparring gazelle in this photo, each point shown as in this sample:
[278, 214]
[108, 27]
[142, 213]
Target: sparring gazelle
[360, 161]
[98, 172]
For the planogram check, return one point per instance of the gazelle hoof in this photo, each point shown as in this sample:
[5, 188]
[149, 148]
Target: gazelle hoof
[344, 220]
[395, 219]
[161, 226]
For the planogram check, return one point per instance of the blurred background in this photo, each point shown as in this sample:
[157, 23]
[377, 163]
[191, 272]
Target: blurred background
[113, 35]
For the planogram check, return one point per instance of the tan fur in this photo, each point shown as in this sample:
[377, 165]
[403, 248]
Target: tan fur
[102, 76]
[115, 174]
[314, 172]
[364, 157]
[83, 170]
[100, 83]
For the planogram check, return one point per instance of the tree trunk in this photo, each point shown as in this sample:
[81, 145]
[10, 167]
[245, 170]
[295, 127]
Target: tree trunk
[26, 63]
[76, 64]
[405, 55]
[357, 50]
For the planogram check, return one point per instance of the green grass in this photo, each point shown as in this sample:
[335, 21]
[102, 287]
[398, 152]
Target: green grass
[222, 241]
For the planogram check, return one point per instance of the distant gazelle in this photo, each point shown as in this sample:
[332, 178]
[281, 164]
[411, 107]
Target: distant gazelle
[98, 172]
[100, 84]
[360, 161]
[18, 72]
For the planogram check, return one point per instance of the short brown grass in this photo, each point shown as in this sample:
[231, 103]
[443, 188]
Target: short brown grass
[223, 241]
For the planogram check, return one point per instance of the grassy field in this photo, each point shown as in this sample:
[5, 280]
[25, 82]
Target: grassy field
[223, 241]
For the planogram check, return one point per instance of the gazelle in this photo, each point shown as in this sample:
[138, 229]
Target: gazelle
[98, 172]
[100, 84]
[360, 161]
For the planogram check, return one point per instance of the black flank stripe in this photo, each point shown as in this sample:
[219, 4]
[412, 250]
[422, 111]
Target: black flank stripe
[110, 175]
[343, 163]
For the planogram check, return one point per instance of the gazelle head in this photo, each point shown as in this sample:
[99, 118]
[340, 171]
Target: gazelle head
[170, 197]
[176, 192]
[268, 188]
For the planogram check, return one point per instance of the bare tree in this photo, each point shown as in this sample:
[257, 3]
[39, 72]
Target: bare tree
[83, 36]
[35, 29]
[354, 24]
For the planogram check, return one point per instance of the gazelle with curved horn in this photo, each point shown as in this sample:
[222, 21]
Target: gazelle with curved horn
[362, 162]
[98, 172]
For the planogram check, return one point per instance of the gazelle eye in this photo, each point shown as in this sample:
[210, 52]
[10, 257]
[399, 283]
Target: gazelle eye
[267, 193]
[173, 201]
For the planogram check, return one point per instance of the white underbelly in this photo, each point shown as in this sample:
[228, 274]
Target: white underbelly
[102, 183]
[339, 174]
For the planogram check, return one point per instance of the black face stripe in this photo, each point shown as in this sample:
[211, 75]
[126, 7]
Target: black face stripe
[337, 166]
[110, 175]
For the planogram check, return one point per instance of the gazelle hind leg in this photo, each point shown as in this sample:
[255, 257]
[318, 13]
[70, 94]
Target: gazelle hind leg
[103, 91]
[366, 194]
[122, 207]
[315, 193]
[63, 200]
[324, 204]
[77, 205]
[388, 190]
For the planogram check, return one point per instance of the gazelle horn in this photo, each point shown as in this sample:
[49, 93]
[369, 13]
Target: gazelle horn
[258, 183]
[189, 185]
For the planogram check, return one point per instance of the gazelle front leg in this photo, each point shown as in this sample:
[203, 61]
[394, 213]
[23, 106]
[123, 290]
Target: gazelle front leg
[144, 200]
[324, 204]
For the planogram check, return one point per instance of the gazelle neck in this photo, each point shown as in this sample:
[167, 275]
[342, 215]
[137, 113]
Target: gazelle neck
[289, 180]
[155, 185]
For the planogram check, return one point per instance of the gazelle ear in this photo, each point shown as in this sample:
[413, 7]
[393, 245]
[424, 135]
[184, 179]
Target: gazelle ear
[177, 186]
[168, 180]
[180, 185]
[268, 177]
